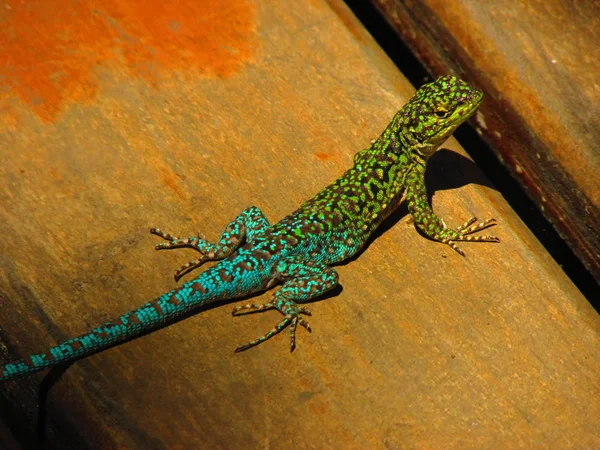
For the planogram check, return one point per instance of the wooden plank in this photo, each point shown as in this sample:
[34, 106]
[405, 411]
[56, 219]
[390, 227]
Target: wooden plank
[421, 349]
[537, 62]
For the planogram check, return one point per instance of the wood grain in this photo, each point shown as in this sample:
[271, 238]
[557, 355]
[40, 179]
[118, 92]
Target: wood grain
[537, 61]
[420, 349]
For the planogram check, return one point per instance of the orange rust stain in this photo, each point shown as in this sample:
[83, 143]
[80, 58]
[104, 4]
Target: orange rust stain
[322, 156]
[169, 179]
[49, 49]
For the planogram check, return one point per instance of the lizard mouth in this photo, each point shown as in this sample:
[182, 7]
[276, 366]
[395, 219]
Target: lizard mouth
[478, 98]
[470, 105]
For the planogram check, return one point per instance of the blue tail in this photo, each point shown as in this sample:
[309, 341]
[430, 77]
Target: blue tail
[217, 283]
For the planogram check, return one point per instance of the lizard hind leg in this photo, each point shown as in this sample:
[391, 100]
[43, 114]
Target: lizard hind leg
[249, 224]
[305, 280]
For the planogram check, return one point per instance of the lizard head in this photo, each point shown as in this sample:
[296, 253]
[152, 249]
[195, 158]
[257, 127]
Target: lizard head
[436, 110]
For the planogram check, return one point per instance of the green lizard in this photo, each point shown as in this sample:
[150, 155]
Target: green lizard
[299, 251]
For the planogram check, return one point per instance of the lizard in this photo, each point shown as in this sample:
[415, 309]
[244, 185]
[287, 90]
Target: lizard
[299, 251]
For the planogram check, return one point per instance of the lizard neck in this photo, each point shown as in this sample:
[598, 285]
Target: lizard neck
[372, 188]
[386, 165]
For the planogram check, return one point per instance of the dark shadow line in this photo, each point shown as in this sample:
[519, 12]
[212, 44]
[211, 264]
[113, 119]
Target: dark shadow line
[412, 68]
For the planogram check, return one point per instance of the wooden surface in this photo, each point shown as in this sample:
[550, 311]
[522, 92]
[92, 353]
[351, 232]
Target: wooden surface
[538, 63]
[127, 121]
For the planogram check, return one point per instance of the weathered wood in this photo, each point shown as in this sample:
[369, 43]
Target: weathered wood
[537, 61]
[421, 349]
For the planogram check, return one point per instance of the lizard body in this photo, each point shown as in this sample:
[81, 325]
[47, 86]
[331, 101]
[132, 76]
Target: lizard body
[298, 251]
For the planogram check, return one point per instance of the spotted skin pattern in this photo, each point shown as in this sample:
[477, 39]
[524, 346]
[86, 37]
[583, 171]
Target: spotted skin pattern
[298, 252]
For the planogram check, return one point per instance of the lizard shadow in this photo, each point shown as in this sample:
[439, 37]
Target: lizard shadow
[446, 170]
[450, 170]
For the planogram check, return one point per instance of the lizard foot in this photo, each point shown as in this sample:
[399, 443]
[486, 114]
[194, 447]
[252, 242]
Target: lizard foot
[464, 233]
[197, 243]
[244, 228]
[288, 308]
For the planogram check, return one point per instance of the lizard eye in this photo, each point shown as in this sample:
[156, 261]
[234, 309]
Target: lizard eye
[441, 113]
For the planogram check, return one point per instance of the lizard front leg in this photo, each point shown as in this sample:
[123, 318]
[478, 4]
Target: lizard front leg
[245, 227]
[434, 227]
[305, 280]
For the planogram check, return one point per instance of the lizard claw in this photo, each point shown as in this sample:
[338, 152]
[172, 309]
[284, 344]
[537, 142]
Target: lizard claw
[288, 308]
[465, 231]
[191, 242]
